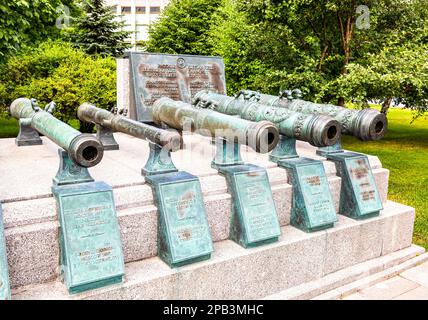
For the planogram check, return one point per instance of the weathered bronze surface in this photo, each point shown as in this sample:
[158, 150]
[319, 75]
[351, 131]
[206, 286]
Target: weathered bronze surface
[359, 197]
[318, 130]
[367, 124]
[178, 77]
[4, 269]
[27, 136]
[84, 149]
[254, 219]
[183, 231]
[261, 136]
[118, 123]
[91, 249]
[312, 206]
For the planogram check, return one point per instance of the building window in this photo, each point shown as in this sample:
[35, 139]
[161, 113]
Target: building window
[113, 9]
[140, 10]
[126, 10]
[155, 10]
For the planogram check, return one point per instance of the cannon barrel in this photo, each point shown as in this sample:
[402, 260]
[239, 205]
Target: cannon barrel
[320, 131]
[118, 123]
[366, 124]
[262, 136]
[84, 149]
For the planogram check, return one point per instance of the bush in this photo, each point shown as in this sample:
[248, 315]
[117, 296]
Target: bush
[57, 72]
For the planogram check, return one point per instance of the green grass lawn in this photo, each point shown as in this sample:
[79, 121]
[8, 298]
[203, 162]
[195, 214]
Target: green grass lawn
[8, 128]
[404, 151]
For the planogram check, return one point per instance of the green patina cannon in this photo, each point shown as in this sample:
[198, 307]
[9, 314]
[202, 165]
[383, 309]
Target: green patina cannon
[183, 231]
[360, 197]
[367, 124]
[119, 123]
[84, 149]
[79, 200]
[254, 219]
[318, 130]
[262, 136]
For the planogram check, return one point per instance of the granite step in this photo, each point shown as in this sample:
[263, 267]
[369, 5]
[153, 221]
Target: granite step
[237, 273]
[30, 218]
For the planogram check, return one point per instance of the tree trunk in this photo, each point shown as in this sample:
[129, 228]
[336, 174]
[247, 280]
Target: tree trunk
[346, 34]
[386, 105]
[341, 102]
[323, 55]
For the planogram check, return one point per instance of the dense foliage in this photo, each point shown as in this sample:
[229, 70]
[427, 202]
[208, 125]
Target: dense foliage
[183, 27]
[98, 32]
[333, 50]
[58, 72]
[24, 22]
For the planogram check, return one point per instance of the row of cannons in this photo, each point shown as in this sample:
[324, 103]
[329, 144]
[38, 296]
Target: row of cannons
[90, 244]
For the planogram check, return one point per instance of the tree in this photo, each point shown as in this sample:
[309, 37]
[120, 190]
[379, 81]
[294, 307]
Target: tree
[98, 32]
[333, 32]
[28, 22]
[398, 73]
[183, 27]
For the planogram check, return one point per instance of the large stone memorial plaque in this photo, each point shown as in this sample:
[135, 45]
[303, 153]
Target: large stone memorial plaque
[359, 197]
[312, 205]
[178, 77]
[91, 248]
[254, 218]
[183, 232]
[4, 270]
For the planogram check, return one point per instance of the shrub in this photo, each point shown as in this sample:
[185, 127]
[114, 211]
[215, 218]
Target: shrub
[57, 72]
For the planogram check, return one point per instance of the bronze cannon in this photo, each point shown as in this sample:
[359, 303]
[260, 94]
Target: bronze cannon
[84, 149]
[318, 130]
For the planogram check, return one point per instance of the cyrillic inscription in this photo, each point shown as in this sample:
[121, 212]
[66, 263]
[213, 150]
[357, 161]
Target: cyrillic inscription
[91, 237]
[184, 212]
[259, 214]
[174, 76]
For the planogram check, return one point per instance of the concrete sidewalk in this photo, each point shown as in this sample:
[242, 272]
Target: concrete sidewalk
[412, 284]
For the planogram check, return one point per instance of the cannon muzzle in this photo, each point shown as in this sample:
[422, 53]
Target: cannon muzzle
[367, 124]
[84, 149]
[371, 125]
[118, 123]
[261, 136]
[319, 130]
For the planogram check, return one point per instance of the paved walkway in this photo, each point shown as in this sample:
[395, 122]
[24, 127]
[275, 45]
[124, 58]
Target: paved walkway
[409, 285]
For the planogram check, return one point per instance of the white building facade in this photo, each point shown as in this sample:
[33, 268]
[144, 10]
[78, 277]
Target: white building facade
[138, 15]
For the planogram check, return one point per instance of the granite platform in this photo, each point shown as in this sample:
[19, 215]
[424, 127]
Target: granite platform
[31, 227]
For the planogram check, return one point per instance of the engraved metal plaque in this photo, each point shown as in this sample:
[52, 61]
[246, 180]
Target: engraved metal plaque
[312, 205]
[183, 231]
[254, 218]
[4, 270]
[178, 77]
[91, 248]
[359, 197]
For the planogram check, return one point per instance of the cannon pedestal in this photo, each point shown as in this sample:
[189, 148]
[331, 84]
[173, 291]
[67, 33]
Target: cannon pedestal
[183, 232]
[27, 135]
[90, 244]
[106, 137]
[254, 219]
[359, 197]
[312, 207]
